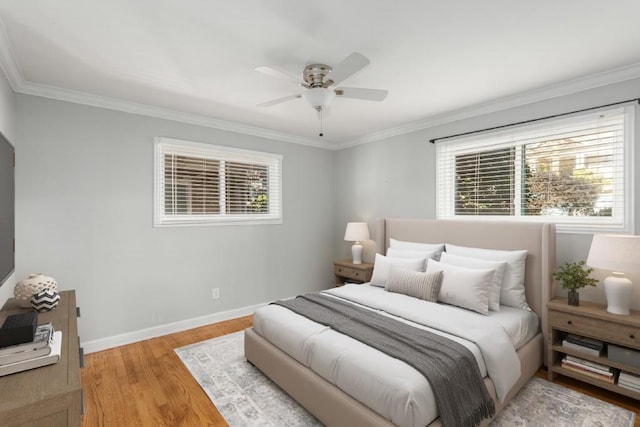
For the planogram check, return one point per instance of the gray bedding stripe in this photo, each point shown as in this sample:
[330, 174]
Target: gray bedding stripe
[450, 368]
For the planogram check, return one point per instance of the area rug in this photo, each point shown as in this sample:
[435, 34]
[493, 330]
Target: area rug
[245, 397]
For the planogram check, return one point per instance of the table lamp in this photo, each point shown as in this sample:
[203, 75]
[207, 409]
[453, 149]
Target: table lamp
[356, 232]
[620, 254]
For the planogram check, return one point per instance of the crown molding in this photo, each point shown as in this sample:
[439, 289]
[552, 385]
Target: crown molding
[8, 62]
[553, 91]
[84, 98]
[18, 83]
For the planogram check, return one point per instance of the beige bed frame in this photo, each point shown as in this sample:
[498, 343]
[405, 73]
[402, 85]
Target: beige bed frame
[334, 407]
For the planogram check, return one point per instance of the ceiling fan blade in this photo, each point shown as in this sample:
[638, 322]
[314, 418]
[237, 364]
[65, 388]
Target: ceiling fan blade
[361, 93]
[279, 74]
[280, 100]
[349, 66]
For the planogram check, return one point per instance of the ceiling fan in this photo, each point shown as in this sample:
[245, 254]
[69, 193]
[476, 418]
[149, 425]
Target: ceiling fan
[320, 81]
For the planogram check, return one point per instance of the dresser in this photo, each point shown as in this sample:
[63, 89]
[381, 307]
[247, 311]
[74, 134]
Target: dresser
[50, 395]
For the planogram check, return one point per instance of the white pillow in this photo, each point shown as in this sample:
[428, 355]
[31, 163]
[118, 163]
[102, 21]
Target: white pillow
[415, 246]
[410, 253]
[383, 264]
[465, 287]
[476, 263]
[512, 292]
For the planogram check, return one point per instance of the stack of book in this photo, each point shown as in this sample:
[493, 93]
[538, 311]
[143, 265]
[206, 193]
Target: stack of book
[629, 381]
[583, 344]
[43, 350]
[589, 368]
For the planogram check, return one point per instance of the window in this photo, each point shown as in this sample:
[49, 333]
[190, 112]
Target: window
[199, 184]
[576, 172]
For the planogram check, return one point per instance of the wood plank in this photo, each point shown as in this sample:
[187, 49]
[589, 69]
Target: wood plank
[165, 394]
[145, 383]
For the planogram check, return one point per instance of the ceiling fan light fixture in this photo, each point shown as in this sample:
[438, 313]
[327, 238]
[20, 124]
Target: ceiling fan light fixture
[319, 97]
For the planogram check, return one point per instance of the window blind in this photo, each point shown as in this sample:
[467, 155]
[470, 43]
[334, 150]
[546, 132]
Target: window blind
[573, 171]
[200, 183]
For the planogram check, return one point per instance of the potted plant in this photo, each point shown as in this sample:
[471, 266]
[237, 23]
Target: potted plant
[574, 276]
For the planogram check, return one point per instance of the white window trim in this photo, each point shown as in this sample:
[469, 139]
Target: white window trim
[578, 225]
[227, 153]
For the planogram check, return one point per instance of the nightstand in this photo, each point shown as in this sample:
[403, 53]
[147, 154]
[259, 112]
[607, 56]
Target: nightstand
[345, 270]
[593, 321]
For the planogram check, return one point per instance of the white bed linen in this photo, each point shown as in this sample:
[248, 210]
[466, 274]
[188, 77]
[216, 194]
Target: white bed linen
[388, 386]
[521, 325]
[500, 358]
[404, 397]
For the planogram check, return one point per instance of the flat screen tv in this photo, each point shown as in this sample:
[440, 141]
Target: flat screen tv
[7, 210]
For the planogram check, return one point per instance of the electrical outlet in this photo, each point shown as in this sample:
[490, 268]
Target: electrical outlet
[216, 293]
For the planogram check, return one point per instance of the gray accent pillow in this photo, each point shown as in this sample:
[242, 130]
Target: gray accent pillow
[416, 284]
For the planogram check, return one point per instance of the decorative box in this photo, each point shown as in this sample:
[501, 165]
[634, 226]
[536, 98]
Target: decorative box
[624, 355]
[18, 329]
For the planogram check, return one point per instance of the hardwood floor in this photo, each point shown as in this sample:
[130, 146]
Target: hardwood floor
[146, 384]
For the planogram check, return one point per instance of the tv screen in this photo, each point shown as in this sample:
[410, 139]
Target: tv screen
[7, 210]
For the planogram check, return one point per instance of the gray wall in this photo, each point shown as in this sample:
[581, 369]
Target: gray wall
[84, 185]
[7, 121]
[396, 176]
[84, 210]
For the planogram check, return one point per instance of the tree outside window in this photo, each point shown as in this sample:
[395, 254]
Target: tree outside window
[574, 171]
[553, 185]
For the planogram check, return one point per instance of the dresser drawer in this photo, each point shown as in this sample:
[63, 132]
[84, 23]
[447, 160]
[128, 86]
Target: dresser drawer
[596, 328]
[352, 273]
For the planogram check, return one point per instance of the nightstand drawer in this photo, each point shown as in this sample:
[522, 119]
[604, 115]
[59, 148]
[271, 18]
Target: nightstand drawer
[616, 333]
[352, 273]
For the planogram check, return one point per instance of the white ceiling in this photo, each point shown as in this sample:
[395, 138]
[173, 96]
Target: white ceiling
[194, 60]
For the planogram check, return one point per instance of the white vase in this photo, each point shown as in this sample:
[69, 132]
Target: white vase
[30, 286]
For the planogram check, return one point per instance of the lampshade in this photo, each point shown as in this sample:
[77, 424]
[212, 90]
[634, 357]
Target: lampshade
[356, 231]
[615, 252]
[620, 254]
[319, 97]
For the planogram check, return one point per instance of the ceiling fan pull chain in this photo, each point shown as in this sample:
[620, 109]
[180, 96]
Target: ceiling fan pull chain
[321, 134]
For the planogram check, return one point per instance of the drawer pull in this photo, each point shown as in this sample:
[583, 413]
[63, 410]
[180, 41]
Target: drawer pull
[569, 322]
[632, 336]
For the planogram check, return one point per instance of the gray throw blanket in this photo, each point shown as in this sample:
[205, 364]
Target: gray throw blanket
[450, 368]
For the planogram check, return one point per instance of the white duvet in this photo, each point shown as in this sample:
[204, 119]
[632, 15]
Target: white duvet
[386, 385]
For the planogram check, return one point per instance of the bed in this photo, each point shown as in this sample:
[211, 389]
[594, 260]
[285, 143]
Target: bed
[333, 406]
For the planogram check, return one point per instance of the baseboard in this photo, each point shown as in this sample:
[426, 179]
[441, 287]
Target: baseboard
[170, 328]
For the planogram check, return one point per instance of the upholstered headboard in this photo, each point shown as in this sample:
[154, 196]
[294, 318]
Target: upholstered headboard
[539, 239]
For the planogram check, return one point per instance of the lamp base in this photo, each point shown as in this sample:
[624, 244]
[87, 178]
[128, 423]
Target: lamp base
[618, 290]
[356, 253]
